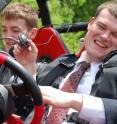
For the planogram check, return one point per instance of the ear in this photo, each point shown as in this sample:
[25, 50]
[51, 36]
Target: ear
[91, 21]
[33, 33]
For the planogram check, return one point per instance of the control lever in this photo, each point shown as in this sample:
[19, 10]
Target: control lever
[23, 40]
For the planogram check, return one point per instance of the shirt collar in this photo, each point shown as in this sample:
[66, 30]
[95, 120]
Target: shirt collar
[83, 58]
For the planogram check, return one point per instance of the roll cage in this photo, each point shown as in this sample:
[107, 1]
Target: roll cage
[50, 44]
[46, 19]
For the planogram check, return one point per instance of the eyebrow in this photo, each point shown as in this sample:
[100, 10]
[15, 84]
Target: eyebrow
[101, 23]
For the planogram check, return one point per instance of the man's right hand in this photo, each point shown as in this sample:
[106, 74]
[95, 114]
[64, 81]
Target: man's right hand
[27, 56]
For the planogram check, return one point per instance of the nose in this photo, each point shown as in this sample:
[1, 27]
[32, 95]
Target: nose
[106, 35]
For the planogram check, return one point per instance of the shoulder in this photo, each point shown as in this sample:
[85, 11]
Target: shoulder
[66, 59]
[57, 68]
[111, 60]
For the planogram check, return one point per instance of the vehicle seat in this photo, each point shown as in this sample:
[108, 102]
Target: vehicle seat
[78, 54]
[49, 44]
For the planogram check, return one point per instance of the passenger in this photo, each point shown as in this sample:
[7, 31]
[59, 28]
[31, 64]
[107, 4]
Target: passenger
[94, 99]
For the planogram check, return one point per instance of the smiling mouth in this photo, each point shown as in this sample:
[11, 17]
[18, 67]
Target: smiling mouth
[100, 44]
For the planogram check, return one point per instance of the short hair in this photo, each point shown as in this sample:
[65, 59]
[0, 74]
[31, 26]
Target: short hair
[21, 10]
[110, 5]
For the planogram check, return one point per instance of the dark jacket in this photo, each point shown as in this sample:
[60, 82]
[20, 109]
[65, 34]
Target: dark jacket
[105, 85]
[58, 68]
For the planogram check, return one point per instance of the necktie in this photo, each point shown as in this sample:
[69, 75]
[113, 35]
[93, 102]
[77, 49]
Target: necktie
[57, 115]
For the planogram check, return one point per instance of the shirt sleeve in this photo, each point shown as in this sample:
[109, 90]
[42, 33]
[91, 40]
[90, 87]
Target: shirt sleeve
[93, 110]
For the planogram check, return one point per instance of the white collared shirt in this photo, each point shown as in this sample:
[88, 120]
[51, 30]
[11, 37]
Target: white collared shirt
[93, 108]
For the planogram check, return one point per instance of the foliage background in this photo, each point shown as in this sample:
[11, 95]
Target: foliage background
[65, 12]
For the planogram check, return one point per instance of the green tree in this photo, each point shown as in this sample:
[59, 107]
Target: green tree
[68, 12]
[65, 12]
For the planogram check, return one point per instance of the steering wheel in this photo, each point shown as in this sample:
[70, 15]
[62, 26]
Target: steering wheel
[30, 84]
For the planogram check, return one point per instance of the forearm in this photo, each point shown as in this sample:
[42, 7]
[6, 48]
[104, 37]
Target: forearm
[75, 101]
[59, 98]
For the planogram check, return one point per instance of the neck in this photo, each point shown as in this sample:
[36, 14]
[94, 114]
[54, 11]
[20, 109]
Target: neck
[90, 59]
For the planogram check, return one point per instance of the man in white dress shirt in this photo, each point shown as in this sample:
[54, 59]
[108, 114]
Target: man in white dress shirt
[95, 99]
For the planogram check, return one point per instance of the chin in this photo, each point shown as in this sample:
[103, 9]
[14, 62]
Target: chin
[96, 57]
[100, 58]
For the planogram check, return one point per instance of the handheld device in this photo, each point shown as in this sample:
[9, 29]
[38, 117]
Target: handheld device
[22, 40]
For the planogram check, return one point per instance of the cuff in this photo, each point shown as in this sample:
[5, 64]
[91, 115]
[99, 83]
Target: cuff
[93, 110]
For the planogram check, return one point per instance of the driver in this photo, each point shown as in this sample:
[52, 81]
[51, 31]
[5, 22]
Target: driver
[16, 18]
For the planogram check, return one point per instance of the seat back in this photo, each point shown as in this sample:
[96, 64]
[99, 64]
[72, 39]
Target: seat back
[49, 44]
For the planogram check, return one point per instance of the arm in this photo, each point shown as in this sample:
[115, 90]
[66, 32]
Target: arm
[110, 110]
[89, 107]
[59, 98]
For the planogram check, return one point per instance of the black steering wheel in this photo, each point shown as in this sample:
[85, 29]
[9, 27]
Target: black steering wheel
[30, 84]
